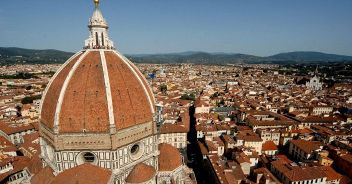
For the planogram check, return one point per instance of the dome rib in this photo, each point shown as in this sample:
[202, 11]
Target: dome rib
[143, 80]
[47, 114]
[63, 89]
[125, 60]
[86, 94]
[130, 102]
[108, 92]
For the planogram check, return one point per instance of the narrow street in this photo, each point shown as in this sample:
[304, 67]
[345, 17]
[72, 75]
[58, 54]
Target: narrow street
[194, 154]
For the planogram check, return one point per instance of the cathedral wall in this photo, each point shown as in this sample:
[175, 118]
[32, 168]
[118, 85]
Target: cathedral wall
[128, 135]
[91, 141]
[122, 159]
[83, 141]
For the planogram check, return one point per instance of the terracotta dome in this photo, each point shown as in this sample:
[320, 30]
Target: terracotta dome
[85, 173]
[169, 158]
[95, 90]
[141, 173]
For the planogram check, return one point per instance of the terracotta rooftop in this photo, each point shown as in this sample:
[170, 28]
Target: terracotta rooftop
[44, 176]
[5, 143]
[85, 173]
[11, 128]
[35, 164]
[169, 158]
[19, 163]
[81, 82]
[172, 128]
[269, 145]
[299, 173]
[228, 139]
[248, 137]
[331, 173]
[141, 173]
[306, 146]
[267, 174]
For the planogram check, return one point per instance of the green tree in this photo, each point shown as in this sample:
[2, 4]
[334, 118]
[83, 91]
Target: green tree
[28, 87]
[188, 97]
[163, 88]
[29, 99]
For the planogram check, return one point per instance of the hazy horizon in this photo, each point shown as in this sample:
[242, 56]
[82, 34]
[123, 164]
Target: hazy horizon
[151, 27]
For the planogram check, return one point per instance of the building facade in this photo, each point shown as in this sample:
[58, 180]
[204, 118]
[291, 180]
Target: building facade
[314, 84]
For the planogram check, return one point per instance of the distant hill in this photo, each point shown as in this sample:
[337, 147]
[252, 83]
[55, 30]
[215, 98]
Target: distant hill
[224, 58]
[194, 57]
[14, 55]
[305, 56]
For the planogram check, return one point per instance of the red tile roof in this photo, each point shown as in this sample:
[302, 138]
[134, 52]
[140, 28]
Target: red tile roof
[85, 103]
[131, 106]
[53, 92]
[268, 146]
[141, 173]
[44, 176]
[19, 163]
[172, 128]
[11, 128]
[85, 173]
[331, 173]
[169, 158]
[306, 146]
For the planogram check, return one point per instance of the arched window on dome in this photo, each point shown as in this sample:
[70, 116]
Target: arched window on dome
[102, 39]
[96, 39]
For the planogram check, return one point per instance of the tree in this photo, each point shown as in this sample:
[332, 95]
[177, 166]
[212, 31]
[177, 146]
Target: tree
[188, 97]
[30, 99]
[28, 88]
[163, 88]
[220, 103]
[232, 117]
[216, 94]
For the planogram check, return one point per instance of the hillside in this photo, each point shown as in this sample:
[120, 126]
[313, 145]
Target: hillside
[12, 55]
[18, 55]
[194, 57]
[309, 57]
[223, 58]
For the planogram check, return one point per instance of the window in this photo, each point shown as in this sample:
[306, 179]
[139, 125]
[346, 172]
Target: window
[89, 157]
[96, 39]
[102, 39]
[135, 149]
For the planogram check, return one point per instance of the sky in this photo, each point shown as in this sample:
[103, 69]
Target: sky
[258, 27]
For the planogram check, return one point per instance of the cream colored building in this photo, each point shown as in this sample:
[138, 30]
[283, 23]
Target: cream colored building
[314, 84]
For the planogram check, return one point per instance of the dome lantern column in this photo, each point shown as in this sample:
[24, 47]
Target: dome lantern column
[98, 28]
